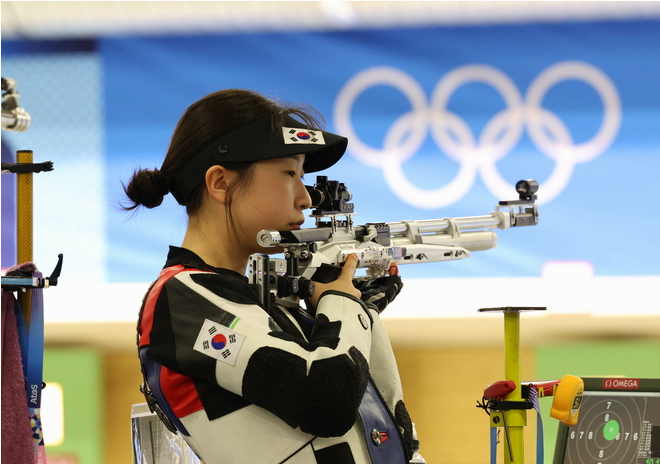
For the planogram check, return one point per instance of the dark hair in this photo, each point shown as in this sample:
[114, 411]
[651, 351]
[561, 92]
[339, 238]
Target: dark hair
[203, 122]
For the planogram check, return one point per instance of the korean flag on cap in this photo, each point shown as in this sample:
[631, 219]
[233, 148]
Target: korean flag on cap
[219, 342]
[293, 135]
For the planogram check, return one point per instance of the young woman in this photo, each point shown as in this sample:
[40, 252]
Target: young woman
[242, 385]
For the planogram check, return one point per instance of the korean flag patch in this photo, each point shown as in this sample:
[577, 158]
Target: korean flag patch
[219, 342]
[298, 136]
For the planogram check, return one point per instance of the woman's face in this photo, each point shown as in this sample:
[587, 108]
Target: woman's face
[274, 200]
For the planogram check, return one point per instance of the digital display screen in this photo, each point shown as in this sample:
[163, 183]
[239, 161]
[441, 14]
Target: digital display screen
[613, 427]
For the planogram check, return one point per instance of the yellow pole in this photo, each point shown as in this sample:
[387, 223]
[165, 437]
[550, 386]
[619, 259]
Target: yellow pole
[515, 418]
[24, 234]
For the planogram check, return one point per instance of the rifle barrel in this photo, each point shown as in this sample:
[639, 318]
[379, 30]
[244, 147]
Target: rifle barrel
[429, 226]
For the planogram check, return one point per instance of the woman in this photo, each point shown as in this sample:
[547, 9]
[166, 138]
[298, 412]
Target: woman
[240, 384]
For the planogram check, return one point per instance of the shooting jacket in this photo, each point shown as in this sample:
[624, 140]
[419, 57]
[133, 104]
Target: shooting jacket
[243, 386]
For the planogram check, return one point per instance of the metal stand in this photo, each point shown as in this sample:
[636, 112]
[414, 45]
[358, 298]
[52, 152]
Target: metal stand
[511, 412]
[24, 234]
[24, 281]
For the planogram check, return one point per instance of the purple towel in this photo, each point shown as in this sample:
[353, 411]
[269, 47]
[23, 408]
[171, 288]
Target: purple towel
[17, 444]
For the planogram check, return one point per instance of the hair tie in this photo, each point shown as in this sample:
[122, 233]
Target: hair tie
[161, 182]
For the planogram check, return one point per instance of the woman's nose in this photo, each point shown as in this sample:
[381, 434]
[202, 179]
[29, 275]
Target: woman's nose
[305, 201]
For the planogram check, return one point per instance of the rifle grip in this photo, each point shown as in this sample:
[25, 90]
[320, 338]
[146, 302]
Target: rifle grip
[327, 273]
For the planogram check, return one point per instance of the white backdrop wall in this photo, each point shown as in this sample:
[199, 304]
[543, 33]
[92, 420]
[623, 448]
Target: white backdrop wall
[442, 121]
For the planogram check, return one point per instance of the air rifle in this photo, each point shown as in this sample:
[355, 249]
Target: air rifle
[316, 254]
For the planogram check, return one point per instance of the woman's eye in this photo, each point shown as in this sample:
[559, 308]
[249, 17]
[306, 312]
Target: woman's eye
[294, 174]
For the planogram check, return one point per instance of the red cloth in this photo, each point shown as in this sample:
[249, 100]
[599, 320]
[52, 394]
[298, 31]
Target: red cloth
[17, 444]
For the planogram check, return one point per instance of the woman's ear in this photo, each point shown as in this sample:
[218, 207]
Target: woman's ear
[217, 182]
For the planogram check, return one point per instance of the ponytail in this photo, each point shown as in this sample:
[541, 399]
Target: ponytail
[146, 188]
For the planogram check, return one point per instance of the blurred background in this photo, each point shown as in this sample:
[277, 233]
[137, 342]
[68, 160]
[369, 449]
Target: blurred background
[446, 105]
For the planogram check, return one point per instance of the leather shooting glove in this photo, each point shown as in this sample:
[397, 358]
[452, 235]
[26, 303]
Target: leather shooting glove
[381, 291]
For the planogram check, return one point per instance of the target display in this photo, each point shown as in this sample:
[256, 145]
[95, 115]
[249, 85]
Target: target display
[614, 427]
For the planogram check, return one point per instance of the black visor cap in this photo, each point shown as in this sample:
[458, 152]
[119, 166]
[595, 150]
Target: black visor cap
[257, 142]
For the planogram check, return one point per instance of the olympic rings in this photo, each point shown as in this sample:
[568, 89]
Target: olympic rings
[498, 138]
